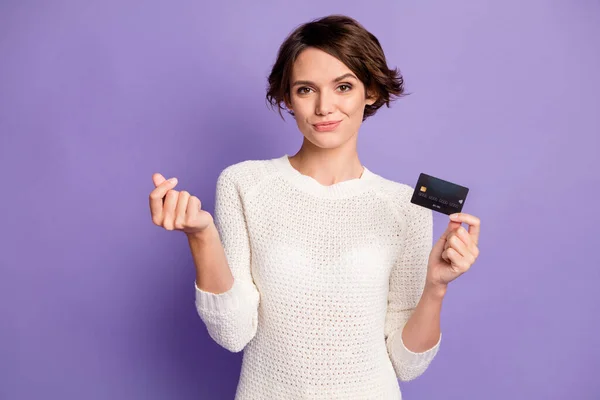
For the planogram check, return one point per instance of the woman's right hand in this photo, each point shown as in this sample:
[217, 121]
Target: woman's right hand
[174, 210]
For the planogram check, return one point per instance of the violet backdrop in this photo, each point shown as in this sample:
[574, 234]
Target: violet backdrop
[95, 96]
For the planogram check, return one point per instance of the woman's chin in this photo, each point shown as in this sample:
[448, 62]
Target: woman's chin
[327, 141]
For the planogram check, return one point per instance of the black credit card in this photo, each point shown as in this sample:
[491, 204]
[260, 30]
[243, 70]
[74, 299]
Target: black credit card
[439, 195]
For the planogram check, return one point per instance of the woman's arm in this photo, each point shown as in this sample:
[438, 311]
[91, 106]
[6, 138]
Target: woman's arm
[212, 270]
[227, 302]
[451, 256]
[412, 327]
[422, 331]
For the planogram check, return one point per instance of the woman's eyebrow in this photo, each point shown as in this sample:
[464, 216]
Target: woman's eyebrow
[339, 78]
[345, 76]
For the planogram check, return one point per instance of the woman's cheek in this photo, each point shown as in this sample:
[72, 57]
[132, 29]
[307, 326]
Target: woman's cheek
[353, 104]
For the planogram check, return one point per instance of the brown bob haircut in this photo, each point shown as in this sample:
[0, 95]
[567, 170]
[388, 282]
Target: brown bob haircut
[345, 39]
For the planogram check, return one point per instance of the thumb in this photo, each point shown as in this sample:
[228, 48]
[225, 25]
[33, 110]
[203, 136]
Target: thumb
[452, 226]
[157, 179]
[438, 248]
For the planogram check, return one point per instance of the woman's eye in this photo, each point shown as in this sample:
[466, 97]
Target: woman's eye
[344, 88]
[303, 90]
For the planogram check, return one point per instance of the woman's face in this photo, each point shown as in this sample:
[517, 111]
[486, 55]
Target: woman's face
[327, 99]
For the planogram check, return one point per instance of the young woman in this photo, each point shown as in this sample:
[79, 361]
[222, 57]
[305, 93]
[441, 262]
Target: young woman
[321, 270]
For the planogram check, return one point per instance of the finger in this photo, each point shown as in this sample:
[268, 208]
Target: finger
[445, 256]
[193, 207]
[468, 240]
[459, 246]
[448, 238]
[180, 209]
[458, 261]
[471, 220]
[442, 243]
[169, 209]
[156, 198]
[452, 226]
[158, 179]
[450, 230]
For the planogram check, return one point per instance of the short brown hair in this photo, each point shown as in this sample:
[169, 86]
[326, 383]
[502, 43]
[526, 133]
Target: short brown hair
[348, 41]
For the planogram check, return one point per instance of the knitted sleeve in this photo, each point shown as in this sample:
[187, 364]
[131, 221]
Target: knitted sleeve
[407, 282]
[231, 317]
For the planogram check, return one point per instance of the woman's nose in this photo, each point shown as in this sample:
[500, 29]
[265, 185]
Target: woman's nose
[325, 104]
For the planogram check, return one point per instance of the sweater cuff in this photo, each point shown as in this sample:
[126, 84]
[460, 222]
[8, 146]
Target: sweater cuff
[413, 358]
[219, 303]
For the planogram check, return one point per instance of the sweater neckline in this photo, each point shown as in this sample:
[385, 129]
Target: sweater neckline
[349, 187]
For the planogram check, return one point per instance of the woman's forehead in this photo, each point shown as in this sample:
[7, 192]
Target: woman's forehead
[319, 67]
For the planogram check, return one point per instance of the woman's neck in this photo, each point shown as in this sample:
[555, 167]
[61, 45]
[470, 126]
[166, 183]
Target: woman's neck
[328, 166]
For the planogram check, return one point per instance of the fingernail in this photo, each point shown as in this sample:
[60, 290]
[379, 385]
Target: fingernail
[453, 215]
[173, 180]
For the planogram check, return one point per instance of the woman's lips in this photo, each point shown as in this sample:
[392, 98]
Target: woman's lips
[326, 126]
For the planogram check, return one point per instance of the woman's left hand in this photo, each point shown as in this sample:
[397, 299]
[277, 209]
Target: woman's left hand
[455, 251]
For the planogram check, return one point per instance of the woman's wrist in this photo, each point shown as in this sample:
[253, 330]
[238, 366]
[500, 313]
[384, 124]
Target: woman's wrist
[435, 291]
[208, 233]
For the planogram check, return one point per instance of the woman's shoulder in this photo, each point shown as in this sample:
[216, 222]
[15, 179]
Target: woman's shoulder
[399, 194]
[247, 174]
[390, 187]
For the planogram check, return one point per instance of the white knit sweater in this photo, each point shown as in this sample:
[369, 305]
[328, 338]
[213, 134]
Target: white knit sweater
[325, 277]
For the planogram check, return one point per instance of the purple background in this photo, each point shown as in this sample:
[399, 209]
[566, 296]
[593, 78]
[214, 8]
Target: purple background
[95, 96]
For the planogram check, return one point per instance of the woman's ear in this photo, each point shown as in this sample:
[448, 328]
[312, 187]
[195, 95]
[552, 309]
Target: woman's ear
[371, 98]
[287, 102]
